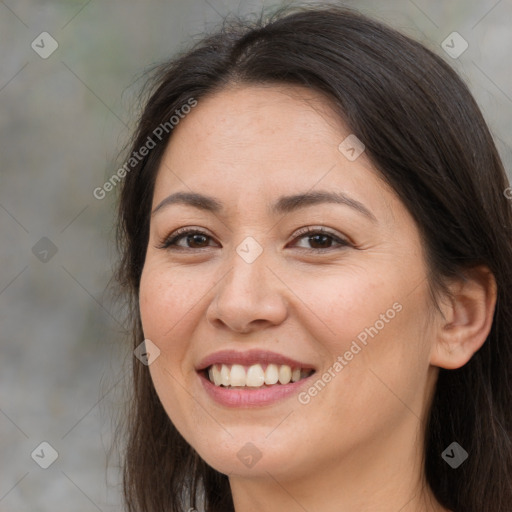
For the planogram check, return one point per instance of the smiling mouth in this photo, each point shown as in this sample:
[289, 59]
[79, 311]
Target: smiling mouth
[254, 376]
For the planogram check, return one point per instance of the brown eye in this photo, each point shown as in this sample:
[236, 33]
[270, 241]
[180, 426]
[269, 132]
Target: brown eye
[196, 239]
[320, 239]
[193, 239]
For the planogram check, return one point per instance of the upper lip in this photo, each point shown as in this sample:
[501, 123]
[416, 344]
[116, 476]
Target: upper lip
[250, 357]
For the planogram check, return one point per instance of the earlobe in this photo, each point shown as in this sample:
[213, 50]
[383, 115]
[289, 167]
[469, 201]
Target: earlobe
[468, 316]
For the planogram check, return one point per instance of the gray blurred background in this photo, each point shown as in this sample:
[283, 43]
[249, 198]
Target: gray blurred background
[65, 117]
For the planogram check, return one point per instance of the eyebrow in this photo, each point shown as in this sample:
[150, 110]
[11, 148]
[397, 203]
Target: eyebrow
[284, 204]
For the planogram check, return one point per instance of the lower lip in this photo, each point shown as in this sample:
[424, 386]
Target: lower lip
[251, 397]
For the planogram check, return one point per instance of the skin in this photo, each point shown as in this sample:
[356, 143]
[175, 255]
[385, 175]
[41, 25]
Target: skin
[357, 444]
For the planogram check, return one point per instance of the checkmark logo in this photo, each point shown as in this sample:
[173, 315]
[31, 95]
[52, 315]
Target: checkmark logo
[44, 455]
[249, 249]
[454, 45]
[454, 455]
[44, 45]
[147, 352]
[249, 455]
[351, 147]
[44, 249]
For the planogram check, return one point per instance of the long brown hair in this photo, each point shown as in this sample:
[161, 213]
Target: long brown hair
[426, 136]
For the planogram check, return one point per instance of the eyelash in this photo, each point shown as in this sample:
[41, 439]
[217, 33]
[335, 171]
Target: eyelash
[169, 242]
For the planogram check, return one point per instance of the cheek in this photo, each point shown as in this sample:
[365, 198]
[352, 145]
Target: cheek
[374, 322]
[155, 295]
[352, 304]
[166, 298]
[166, 301]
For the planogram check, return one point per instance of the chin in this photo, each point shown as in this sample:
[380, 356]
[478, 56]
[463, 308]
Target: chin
[251, 453]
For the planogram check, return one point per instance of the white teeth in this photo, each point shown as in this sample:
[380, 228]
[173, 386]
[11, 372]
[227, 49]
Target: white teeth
[255, 376]
[215, 375]
[285, 374]
[271, 374]
[224, 376]
[238, 376]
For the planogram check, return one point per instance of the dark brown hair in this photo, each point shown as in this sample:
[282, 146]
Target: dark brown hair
[427, 138]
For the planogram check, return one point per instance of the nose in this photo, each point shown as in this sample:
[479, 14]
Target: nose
[249, 297]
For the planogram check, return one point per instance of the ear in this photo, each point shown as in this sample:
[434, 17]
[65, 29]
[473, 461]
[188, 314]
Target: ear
[467, 321]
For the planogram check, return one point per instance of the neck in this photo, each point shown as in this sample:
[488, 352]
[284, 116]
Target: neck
[383, 476]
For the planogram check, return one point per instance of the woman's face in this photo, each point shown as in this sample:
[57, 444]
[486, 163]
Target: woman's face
[254, 290]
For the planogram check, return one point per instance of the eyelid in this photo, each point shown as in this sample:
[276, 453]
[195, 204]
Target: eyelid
[318, 229]
[341, 240]
[168, 240]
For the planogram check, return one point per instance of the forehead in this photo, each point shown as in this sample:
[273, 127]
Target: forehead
[238, 122]
[259, 141]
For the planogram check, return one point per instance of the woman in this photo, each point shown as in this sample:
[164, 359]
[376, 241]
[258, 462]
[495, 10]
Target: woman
[317, 245]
